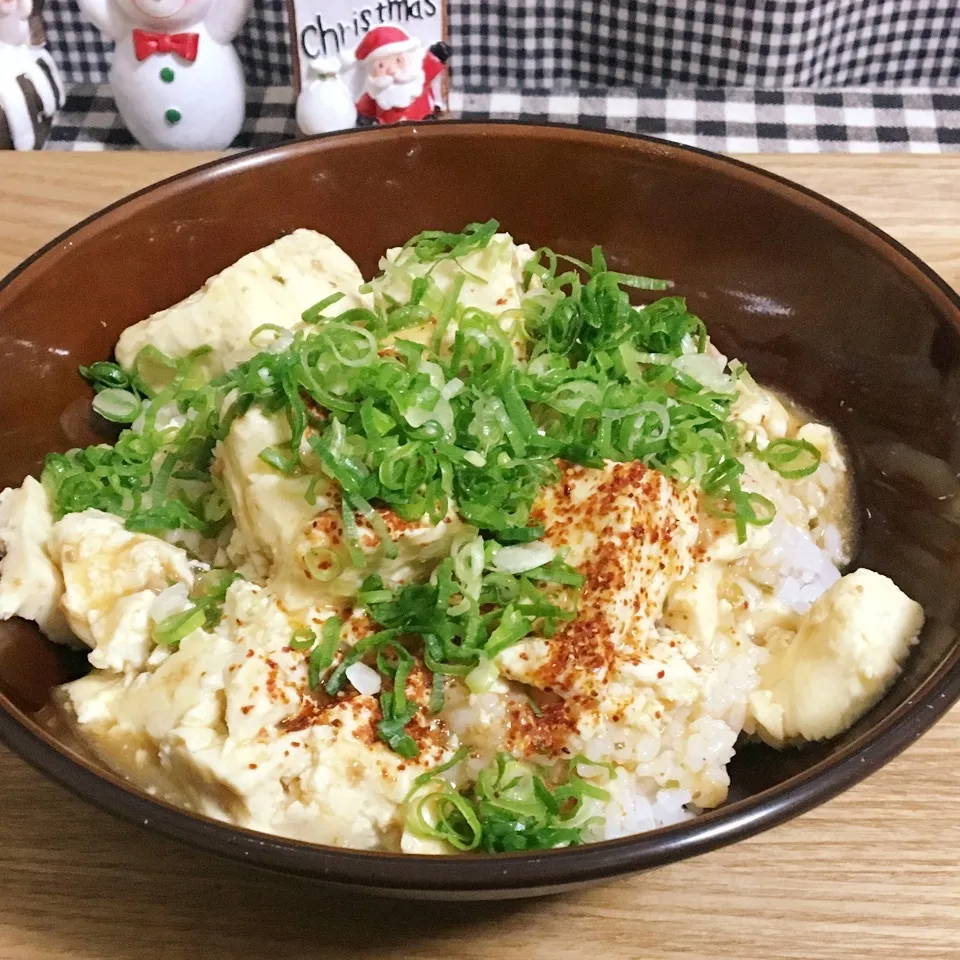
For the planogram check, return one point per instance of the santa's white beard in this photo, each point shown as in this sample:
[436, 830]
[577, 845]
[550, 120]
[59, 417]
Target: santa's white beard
[393, 93]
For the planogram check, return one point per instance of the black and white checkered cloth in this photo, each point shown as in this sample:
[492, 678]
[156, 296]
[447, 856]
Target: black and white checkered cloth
[738, 121]
[720, 74]
[729, 43]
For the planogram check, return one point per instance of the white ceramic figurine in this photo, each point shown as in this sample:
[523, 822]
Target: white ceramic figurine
[175, 76]
[30, 86]
[325, 102]
[15, 22]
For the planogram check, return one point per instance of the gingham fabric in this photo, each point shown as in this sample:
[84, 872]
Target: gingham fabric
[730, 43]
[720, 74]
[739, 121]
[571, 45]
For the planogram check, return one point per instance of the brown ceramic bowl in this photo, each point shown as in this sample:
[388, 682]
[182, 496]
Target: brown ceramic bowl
[817, 301]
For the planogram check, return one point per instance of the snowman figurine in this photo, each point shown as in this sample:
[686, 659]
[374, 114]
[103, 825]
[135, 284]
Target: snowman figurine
[175, 76]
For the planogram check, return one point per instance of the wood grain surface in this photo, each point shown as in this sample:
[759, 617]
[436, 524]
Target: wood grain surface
[875, 873]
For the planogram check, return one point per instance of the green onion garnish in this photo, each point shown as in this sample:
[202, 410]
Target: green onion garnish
[205, 610]
[116, 405]
[391, 728]
[792, 459]
[104, 375]
[171, 630]
[322, 656]
[459, 756]
[508, 808]
[449, 817]
[303, 639]
[323, 564]
[488, 428]
[313, 314]
[433, 245]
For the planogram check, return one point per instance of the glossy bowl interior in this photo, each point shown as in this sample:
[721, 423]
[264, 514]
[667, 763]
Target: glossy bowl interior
[816, 301]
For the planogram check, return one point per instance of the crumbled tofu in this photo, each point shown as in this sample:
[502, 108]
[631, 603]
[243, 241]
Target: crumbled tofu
[111, 577]
[233, 732]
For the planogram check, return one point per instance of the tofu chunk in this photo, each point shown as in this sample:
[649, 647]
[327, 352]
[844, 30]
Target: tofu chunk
[231, 678]
[763, 417]
[268, 507]
[30, 583]
[692, 606]
[265, 681]
[227, 726]
[630, 531]
[272, 285]
[492, 282]
[847, 652]
[277, 528]
[111, 576]
[186, 689]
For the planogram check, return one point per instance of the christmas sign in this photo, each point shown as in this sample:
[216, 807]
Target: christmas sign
[380, 63]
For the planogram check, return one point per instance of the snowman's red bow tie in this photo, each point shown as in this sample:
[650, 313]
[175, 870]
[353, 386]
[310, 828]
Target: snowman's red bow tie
[184, 45]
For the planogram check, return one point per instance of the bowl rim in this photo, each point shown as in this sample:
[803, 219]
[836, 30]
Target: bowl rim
[538, 871]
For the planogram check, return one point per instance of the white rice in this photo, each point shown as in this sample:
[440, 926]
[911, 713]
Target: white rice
[632, 810]
[795, 566]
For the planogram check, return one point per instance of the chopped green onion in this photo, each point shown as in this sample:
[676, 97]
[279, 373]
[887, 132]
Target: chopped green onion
[431, 245]
[312, 314]
[356, 348]
[483, 676]
[453, 820]
[171, 630]
[508, 808]
[153, 368]
[267, 328]
[323, 564]
[322, 655]
[116, 405]
[792, 459]
[437, 692]
[281, 460]
[458, 757]
[303, 639]
[521, 534]
[758, 510]
[104, 374]
[391, 728]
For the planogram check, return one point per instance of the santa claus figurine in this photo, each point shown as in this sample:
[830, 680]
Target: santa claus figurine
[399, 76]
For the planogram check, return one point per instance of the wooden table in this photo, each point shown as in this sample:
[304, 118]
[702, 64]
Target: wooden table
[873, 874]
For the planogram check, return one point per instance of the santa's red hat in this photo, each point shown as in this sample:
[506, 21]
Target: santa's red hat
[384, 42]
